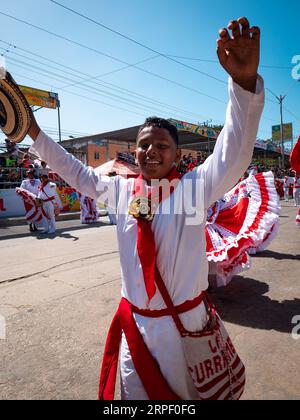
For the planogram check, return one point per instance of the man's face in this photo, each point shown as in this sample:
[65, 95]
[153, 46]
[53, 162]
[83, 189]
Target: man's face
[156, 152]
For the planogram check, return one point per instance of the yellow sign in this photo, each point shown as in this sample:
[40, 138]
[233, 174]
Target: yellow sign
[287, 132]
[39, 97]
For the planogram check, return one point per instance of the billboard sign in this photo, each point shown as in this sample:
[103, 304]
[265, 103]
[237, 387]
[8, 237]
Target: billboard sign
[38, 97]
[287, 132]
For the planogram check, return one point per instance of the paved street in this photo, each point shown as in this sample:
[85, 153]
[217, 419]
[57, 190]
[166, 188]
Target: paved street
[58, 295]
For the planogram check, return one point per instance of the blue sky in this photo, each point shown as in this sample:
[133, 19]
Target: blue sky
[186, 29]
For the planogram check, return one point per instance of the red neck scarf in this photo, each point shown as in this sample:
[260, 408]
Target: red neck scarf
[43, 184]
[145, 241]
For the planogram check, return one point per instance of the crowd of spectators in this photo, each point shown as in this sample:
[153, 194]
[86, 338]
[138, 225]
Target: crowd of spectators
[13, 169]
[188, 163]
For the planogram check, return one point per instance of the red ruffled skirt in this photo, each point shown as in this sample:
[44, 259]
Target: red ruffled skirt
[243, 222]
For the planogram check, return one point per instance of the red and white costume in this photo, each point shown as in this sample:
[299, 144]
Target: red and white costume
[28, 191]
[287, 183]
[47, 193]
[34, 214]
[243, 222]
[31, 185]
[297, 190]
[295, 165]
[180, 249]
[89, 212]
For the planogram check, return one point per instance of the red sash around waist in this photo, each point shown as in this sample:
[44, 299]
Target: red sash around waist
[152, 379]
[49, 199]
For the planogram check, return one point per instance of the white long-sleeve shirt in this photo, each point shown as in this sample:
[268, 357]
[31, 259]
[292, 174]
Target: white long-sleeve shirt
[48, 191]
[31, 185]
[179, 239]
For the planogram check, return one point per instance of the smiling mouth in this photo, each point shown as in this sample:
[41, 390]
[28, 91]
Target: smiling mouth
[152, 163]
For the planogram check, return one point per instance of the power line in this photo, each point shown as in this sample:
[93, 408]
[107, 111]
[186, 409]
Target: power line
[95, 100]
[94, 91]
[293, 115]
[91, 89]
[112, 86]
[113, 58]
[216, 61]
[127, 64]
[78, 71]
[137, 42]
[81, 96]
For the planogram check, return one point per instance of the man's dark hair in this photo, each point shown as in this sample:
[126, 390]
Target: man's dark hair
[161, 123]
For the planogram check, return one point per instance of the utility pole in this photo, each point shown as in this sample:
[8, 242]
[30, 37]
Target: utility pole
[58, 114]
[280, 99]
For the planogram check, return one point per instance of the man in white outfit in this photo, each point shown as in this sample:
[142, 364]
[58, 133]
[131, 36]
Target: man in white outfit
[287, 182]
[31, 184]
[47, 193]
[179, 237]
[297, 189]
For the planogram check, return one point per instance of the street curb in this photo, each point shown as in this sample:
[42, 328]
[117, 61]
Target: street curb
[21, 221]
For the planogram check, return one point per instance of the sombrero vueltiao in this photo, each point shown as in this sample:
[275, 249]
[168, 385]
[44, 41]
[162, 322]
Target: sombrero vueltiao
[15, 113]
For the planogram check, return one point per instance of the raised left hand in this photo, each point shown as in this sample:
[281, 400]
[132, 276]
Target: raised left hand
[239, 54]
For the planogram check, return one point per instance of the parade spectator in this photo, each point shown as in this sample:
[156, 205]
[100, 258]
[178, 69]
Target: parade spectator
[27, 162]
[10, 161]
[44, 169]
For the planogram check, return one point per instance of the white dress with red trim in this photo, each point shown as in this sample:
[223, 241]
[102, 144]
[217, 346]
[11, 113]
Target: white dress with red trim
[89, 212]
[298, 218]
[34, 214]
[243, 222]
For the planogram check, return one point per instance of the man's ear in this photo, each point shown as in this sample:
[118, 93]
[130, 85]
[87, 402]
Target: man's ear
[178, 155]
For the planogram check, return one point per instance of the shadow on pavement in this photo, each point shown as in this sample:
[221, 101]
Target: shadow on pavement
[242, 302]
[277, 255]
[59, 232]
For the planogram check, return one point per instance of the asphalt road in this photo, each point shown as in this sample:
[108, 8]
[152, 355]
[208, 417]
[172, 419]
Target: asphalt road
[59, 293]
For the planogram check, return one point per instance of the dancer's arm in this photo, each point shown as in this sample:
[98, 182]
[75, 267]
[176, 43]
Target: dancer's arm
[239, 55]
[71, 170]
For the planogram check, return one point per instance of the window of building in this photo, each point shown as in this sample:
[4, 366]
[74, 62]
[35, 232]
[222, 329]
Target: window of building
[97, 156]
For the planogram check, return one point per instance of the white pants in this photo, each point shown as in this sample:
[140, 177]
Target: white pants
[112, 218]
[49, 222]
[297, 196]
[286, 194]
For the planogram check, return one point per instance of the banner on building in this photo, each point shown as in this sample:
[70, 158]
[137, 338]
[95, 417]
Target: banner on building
[196, 129]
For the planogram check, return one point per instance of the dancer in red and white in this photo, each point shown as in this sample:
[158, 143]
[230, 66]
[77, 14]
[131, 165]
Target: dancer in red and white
[48, 196]
[89, 212]
[295, 165]
[296, 191]
[152, 361]
[31, 185]
[243, 222]
[287, 183]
